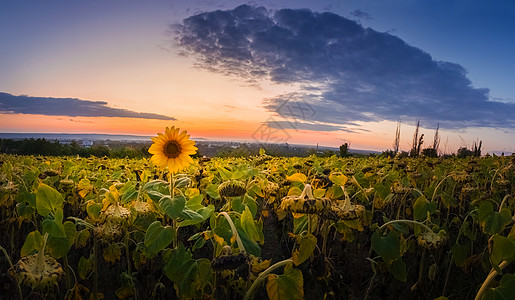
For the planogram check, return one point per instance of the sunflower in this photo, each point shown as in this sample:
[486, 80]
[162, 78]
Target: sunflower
[172, 149]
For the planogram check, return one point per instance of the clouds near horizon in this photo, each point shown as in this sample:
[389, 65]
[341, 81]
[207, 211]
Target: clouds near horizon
[71, 107]
[347, 73]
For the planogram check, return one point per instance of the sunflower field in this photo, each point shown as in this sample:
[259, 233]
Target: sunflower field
[260, 227]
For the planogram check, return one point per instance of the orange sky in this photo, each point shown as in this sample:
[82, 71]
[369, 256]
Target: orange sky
[128, 63]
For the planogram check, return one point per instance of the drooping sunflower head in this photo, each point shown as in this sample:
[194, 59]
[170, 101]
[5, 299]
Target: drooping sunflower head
[172, 149]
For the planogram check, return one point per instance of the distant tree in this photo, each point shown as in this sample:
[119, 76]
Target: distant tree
[344, 150]
[429, 152]
[464, 152]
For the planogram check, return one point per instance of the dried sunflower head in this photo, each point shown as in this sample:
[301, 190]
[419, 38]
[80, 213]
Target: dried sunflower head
[232, 188]
[38, 271]
[306, 203]
[66, 183]
[347, 213]
[108, 231]
[51, 172]
[228, 261]
[117, 214]
[431, 240]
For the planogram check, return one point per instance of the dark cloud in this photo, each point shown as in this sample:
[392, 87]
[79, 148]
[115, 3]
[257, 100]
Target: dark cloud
[358, 13]
[67, 107]
[299, 125]
[353, 73]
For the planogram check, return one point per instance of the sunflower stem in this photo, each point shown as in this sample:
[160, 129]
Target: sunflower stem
[405, 221]
[263, 275]
[234, 231]
[172, 194]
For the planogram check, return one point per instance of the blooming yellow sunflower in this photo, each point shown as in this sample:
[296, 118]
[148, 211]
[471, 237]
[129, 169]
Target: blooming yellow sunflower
[172, 149]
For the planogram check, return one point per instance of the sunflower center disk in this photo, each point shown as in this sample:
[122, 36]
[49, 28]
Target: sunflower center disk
[172, 149]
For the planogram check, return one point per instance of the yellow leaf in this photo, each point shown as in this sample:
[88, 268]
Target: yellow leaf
[338, 179]
[299, 177]
[112, 253]
[260, 266]
[218, 239]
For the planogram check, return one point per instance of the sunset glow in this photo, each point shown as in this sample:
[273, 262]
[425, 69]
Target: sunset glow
[145, 67]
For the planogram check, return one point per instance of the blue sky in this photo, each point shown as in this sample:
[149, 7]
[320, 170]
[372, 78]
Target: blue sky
[360, 65]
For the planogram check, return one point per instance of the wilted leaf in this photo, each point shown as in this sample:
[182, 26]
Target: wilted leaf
[289, 285]
[306, 245]
[85, 267]
[112, 253]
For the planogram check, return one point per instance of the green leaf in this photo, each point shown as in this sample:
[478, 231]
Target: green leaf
[505, 290]
[294, 191]
[58, 247]
[201, 215]
[48, 199]
[181, 268]
[55, 227]
[182, 182]
[195, 202]
[33, 243]
[422, 207]
[338, 179]
[172, 207]
[249, 227]
[503, 249]
[85, 267]
[250, 245]
[261, 151]
[290, 285]
[300, 224]
[298, 177]
[492, 222]
[459, 254]
[24, 210]
[93, 209]
[398, 269]
[319, 193]
[157, 238]
[82, 238]
[224, 173]
[212, 191]
[306, 245]
[387, 247]
[128, 192]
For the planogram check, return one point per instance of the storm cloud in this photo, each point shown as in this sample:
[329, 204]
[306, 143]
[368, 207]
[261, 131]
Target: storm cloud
[349, 73]
[71, 107]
